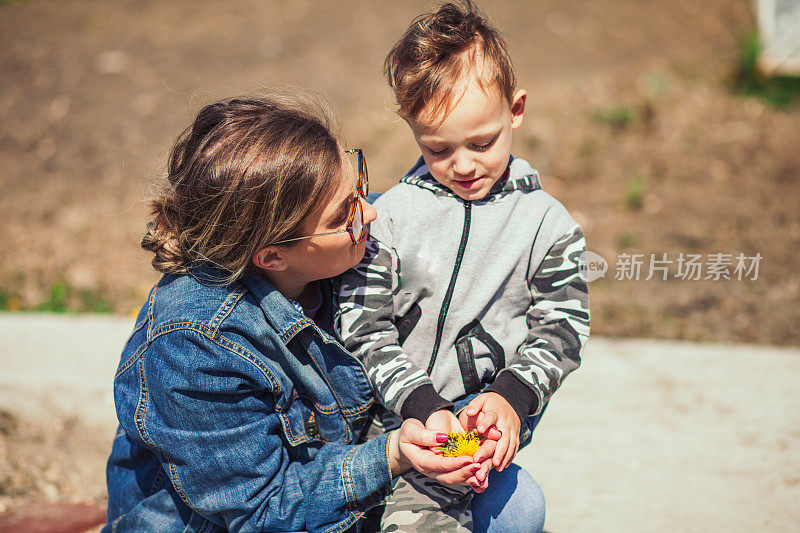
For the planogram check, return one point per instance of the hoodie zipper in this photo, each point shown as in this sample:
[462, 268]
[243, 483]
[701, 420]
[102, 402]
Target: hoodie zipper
[449, 294]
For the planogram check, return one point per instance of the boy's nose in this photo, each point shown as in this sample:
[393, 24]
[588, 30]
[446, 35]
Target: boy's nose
[463, 164]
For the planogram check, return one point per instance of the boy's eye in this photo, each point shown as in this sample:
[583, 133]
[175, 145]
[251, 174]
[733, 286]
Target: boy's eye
[440, 151]
[484, 147]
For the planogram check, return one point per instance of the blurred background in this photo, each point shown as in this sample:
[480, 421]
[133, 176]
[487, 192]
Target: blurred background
[640, 120]
[650, 121]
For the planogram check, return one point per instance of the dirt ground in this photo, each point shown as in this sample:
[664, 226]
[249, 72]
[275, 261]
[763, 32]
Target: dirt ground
[630, 122]
[63, 462]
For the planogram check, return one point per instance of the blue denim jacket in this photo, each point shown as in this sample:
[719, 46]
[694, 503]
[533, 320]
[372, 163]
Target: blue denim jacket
[237, 412]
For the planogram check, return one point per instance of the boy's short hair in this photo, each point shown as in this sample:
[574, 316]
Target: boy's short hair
[439, 49]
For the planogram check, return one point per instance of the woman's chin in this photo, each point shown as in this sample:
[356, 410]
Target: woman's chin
[356, 255]
[359, 250]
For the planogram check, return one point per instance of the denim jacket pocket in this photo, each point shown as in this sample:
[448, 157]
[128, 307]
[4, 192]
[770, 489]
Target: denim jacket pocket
[304, 420]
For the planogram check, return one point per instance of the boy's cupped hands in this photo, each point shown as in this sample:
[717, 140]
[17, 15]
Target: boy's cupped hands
[490, 410]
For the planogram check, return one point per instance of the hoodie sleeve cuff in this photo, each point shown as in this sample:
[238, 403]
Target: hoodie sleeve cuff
[422, 402]
[518, 394]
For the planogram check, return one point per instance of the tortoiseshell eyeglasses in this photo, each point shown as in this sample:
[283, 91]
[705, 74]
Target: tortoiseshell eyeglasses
[355, 219]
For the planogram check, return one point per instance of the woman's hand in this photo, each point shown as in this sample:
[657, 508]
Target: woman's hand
[411, 445]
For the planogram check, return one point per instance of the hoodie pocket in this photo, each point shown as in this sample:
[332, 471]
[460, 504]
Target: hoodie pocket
[406, 324]
[480, 357]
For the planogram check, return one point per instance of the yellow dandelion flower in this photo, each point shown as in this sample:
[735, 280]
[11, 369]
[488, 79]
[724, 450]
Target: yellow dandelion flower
[459, 444]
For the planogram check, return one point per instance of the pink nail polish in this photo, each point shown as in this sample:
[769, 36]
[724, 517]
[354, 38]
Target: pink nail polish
[441, 437]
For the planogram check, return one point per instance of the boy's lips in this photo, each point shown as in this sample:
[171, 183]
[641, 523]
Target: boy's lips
[469, 184]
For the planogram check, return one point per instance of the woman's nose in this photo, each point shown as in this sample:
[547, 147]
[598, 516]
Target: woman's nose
[370, 213]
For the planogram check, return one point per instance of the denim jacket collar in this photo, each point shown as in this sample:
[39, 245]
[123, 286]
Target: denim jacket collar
[283, 314]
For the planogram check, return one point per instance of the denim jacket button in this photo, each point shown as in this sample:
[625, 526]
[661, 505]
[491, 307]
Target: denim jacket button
[311, 428]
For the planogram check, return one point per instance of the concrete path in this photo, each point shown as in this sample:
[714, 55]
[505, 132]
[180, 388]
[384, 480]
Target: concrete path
[60, 365]
[646, 436]
[669, 436]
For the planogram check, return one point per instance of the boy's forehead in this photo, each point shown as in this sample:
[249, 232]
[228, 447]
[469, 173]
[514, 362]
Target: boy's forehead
[473, 105]
[475, 78]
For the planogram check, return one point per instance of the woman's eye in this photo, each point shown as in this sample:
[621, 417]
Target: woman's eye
[340, 219]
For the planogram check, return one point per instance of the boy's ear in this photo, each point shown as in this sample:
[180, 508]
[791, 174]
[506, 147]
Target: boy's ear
[270, 258]
[518, 108]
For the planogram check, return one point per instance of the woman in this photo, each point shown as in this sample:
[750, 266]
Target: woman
[238, 408]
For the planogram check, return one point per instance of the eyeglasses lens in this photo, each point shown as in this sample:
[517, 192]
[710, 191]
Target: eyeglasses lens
[357, 226]
[363, 178]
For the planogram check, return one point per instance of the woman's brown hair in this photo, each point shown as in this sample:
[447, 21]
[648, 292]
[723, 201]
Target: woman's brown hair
[437, 50]
[248, 172]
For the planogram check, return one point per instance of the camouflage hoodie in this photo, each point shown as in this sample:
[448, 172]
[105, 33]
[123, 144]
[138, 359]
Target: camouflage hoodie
[454, 296]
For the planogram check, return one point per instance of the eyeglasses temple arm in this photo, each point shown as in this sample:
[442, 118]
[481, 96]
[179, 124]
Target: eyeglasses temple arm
[311, 236]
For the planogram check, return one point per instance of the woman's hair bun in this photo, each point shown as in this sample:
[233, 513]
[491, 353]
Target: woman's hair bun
[163, 240]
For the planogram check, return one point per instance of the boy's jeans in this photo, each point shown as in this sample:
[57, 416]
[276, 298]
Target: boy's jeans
[513, 502]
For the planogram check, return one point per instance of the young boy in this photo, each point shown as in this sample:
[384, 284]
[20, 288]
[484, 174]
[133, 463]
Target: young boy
[469, 299]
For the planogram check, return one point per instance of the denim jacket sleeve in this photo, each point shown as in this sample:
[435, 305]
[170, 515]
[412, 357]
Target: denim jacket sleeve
[214, 427]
